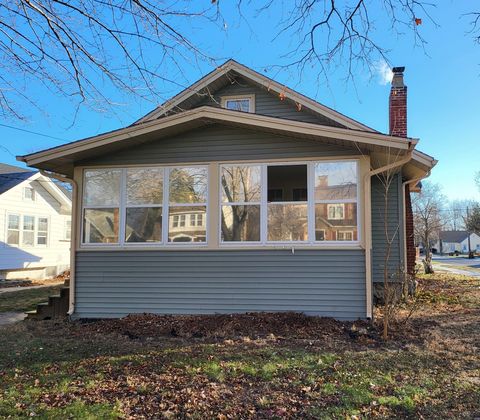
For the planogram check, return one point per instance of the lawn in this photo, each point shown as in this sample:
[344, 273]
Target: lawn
[251, 366]
[26, 300]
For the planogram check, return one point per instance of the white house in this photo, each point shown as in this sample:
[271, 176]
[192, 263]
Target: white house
[34, 225]
[457, 241]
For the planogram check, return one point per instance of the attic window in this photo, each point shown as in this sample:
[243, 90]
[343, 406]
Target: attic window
[28, 194]
[243, 103]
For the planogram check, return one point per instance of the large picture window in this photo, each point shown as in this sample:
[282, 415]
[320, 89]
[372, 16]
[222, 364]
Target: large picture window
[280, 203]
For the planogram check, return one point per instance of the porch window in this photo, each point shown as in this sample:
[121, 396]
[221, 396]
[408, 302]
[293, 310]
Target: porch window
[336, 201]
[187, 201]
[240, 203]
[101, 201]
[287, 208]
[144, 199]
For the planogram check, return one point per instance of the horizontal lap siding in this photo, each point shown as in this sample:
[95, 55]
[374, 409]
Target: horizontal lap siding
[220, 143]
[316, 282]
[267, 103]
[394, 217]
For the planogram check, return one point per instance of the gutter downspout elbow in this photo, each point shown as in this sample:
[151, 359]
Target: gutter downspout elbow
[73, 241]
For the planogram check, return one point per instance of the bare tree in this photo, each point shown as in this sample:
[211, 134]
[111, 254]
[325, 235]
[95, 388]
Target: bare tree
[427, 219]
[77, 48]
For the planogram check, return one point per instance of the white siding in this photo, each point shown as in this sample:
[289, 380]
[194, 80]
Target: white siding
[55, 256]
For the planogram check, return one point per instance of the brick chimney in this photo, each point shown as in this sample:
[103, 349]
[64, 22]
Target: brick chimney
[398, 127]
[398, 104]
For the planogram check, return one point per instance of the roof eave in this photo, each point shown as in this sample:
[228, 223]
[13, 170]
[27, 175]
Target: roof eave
[222, 115]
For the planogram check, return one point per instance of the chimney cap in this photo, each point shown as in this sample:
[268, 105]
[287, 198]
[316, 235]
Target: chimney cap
[397, 70]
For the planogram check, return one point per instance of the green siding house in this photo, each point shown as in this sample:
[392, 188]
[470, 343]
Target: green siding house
[238, 195]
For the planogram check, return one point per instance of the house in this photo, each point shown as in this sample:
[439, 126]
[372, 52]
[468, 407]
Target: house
[35, 225]
[239, 194]
[456, 241]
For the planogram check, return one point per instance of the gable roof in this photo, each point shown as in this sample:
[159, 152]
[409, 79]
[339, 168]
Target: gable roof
[11, 176]
[202, 85]
[455, 236]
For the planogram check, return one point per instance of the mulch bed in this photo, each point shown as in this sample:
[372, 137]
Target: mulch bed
[253, 325]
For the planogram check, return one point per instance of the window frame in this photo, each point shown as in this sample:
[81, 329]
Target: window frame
[250, 98]
[310, 202]
[47, 232]
[34, 194]
[122, 208]
[21, 229]
[213, 204]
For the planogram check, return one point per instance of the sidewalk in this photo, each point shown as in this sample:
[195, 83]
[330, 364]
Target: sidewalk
[19, 288]
[455, 270]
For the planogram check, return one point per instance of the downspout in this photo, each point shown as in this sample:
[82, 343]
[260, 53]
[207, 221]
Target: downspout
[368, 224]
[73, 239]
[404, 184]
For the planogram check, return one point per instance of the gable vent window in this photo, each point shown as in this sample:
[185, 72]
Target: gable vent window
[244, 103]
[29, 194]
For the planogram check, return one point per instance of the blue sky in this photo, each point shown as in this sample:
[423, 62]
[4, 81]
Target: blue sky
[443, 95]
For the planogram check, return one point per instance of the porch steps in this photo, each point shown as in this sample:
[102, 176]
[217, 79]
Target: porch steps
[56, 307]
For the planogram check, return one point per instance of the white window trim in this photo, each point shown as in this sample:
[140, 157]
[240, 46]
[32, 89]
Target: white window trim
[343, 232]
[20, 230]
[264, 242]
[165, 206]
[251, 99]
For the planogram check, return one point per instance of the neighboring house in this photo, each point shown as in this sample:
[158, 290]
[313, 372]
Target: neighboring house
[239, 195]
[452, 241]
[35, 224]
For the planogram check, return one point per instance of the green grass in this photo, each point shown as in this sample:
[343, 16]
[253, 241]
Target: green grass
[26, 300]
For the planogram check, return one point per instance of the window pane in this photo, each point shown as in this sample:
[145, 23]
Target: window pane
[179, 231]
[43, 224]
[143, 225]
[238, 104]
[28, 223]
[335, 180]
[336, 229]
[287, 222]
[240, 223]
[287, 183]
[100, 226]
[102, 187]
[28, 238]
[42, 239]
[13, 221]
[240, 184]
[13, 237]
[145, 186]
[188, 185]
